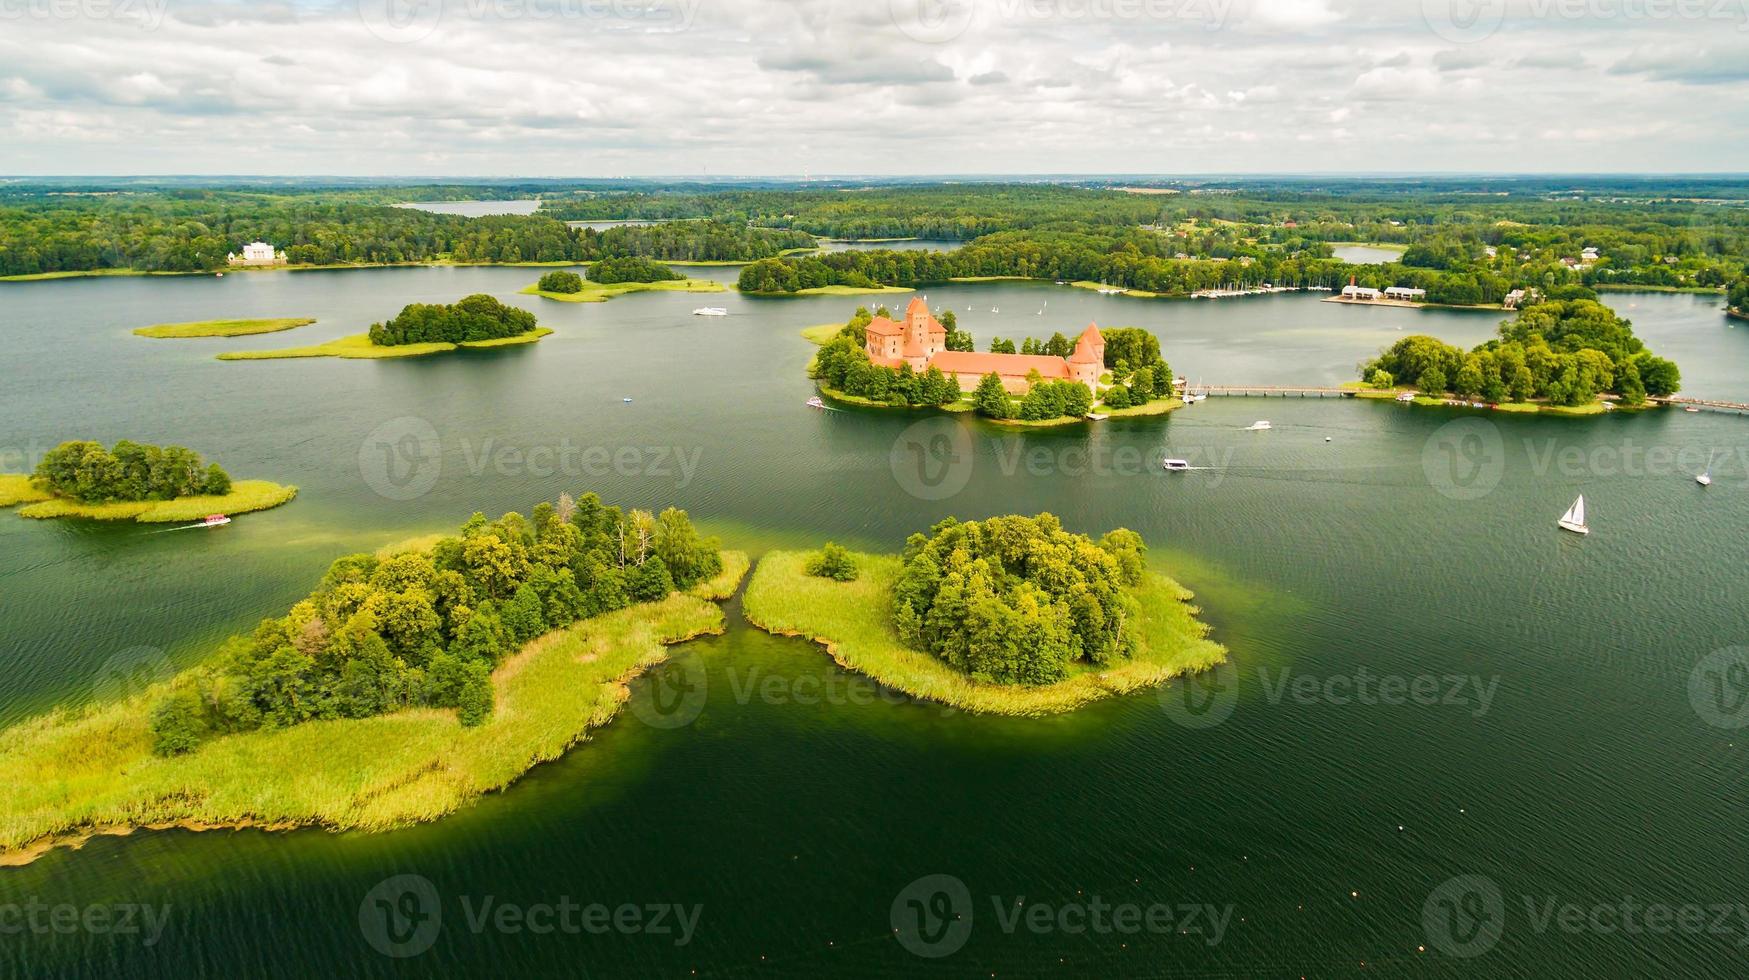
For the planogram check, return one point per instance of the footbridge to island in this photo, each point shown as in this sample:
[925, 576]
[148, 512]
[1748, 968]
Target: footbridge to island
[1317, 391]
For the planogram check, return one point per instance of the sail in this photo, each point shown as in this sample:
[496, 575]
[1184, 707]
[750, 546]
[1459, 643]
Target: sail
[1576, 513]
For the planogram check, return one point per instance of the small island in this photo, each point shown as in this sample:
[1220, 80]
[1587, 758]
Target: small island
[1571, 357]
[221, 328]
[616, 277]
[134, 482]
[1010, 615]
[925, 362]
[475, 322]
[407, 684]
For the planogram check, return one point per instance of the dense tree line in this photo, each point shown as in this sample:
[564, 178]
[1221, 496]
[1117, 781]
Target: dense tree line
[693, 241]
[476, 317]
[89, 473]
[427, 627]
[631, 268]
[1018, 600]
[1564, 352]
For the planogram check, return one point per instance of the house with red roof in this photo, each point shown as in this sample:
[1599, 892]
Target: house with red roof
[921, 342]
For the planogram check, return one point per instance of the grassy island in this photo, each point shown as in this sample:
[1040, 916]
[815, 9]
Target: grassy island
[405, 685]
[360, 347]
[600, 293]
[854, 621]
[221, 328]
[134, 482]
[616, 277]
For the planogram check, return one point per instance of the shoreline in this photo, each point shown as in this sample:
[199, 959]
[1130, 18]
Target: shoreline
[358, 347]
[1409, 304]
[246, 497]
[851, 623]
[425, 782]
[595, 292]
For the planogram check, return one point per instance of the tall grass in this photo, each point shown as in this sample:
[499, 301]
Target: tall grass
[595, 292]
[68, 774]
[221, 328]
[16, 488]
[245, 496]
[854, 622]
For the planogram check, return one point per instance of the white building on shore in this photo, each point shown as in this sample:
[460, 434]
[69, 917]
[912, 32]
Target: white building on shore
[1351, 291]
[257, 253]
[1407, 293]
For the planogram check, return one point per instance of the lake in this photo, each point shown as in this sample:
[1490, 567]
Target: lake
[476, 209]
[1555, 749]
[1369, 254]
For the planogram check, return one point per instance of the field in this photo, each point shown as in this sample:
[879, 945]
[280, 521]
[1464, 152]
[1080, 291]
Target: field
[68, 775]
[359, 347]
[221, 328]
[854, 622]
[245, 496]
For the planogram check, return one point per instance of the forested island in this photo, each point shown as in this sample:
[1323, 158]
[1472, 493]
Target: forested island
[408, 683]
[1009, 615]
[1559, 353]
[477, 321]
[134, 481]
[608, 278]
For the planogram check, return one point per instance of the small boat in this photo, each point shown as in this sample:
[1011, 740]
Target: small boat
[215, 520]
[628, 401]
[815, 402]
[1177, 465]
[994, 310]
[1706, 478]
[1407, 396]
[1574, 519]
[1691, 408]
[1097, 417]
[218, 275]
[1258, 426]
[710, 311]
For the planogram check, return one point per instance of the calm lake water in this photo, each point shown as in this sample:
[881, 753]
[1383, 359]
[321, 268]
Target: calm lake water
[1368, 254]
[1562, 759]
[476, 209]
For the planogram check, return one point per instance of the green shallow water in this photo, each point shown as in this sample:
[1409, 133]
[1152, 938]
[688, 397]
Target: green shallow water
[794, 803]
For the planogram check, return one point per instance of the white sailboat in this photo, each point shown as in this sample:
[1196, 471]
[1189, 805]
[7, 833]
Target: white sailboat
[1574, 519]
[1706, 478]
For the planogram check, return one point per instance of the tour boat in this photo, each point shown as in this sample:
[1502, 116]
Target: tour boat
[1177, 465]
[1258, 426]
[215, 520]
[1691, 408]
[1574, 519]
[815, 402]
[710, 311]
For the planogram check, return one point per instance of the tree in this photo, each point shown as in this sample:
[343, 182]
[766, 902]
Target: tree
[217, 482]
[178, 723]
[649, 581]
[631, 268]
[560, 281]
[1432, 381]
[833, 562]
[991, 398]
[474, 697]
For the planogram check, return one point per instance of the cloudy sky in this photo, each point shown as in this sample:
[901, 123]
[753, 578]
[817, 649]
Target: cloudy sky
[724, 87]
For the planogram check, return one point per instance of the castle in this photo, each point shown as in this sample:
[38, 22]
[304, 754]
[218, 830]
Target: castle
[921, 341]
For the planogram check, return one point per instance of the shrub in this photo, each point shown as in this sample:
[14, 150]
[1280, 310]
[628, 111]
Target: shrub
[832, 562]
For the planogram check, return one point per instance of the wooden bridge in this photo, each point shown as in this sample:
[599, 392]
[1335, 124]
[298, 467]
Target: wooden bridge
[1313, 391]
[1705, 403]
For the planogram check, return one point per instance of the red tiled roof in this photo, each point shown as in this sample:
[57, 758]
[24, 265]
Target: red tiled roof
[1008, 365]
[881, 326]
[1084, 346]
[917, 302]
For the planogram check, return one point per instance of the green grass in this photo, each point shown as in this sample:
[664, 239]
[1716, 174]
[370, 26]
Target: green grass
[221, 328]
[847, 291]
[359, 347]
[16, 488]
[67, 775]
[594, 292]
[245, 496]
[821, 334]
[1159, 406]
[853, 621]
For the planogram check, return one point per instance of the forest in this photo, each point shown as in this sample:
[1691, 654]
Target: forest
[130, 471]
[427, 627]
[471, 318]
[1018, 600]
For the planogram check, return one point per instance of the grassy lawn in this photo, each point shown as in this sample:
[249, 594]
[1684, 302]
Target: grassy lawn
[594, 292]
[1159, 406]
[221, 328]
[853, 621]
[847, 291]
[15, 488]
[359, 347]
[69, 774]
[822, 333]
[245, 496]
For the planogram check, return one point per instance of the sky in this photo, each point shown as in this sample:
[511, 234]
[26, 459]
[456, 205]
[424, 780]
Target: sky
[604, 88]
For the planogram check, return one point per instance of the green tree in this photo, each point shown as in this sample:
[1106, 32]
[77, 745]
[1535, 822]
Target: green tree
[991, 399]
[833, 562]
[560, 281]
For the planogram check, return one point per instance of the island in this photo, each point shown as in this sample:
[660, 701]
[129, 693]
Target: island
[475, 322]
[407, 684]
[616, 277]
[1011, 615]
[222, 328]
[1557, 356]
[134, 481]
[927, 362]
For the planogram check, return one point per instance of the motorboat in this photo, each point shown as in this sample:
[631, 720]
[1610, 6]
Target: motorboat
[1177, 465]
